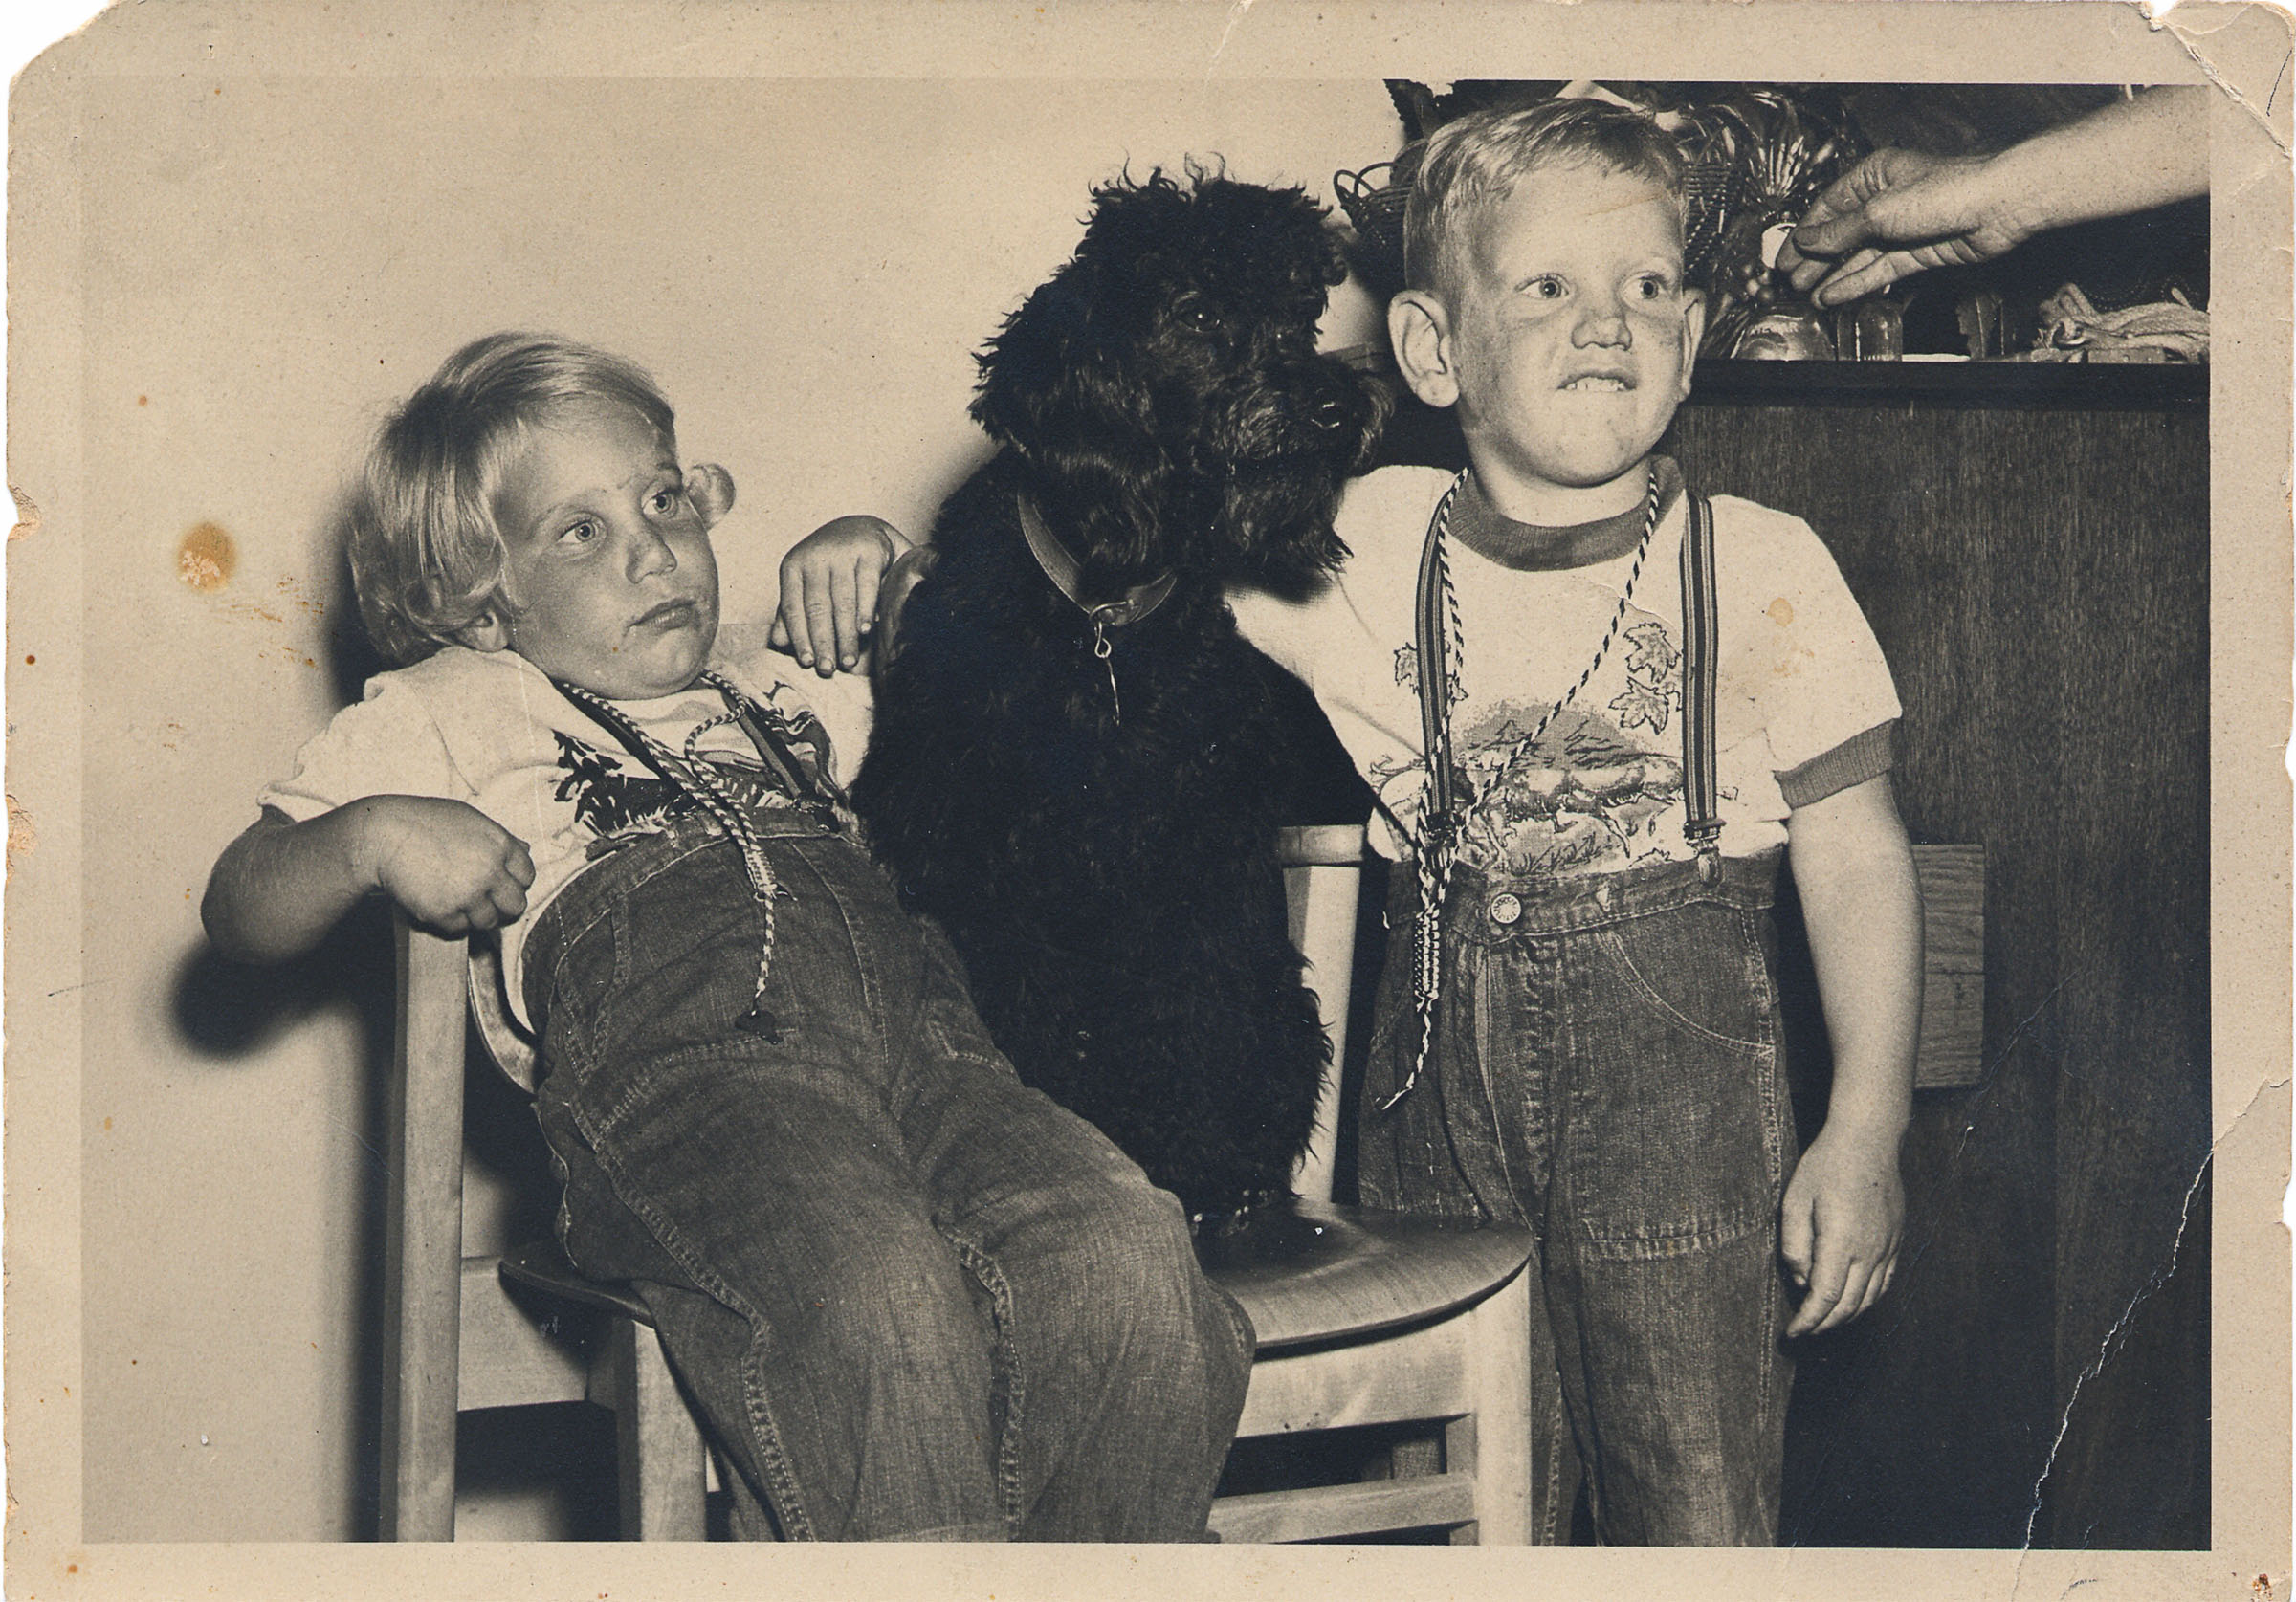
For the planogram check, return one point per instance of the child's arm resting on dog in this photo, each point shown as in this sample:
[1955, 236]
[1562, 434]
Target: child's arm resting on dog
[282, 886]
[829, 591]
[1845, 1206]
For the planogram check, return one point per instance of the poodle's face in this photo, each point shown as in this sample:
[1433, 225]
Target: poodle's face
[1167, 375]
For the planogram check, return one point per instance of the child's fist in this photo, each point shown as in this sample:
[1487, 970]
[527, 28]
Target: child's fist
[450, 865]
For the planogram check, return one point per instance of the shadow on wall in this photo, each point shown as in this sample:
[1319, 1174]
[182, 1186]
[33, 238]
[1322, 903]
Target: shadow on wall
[231, 1013]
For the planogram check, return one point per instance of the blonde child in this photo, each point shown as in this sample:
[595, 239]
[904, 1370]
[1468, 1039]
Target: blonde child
[914, 1299]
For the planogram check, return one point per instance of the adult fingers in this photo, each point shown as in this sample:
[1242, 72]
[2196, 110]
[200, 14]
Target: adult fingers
[1837, 220]
[1852, 209]
[789, 632]
[1864, 272]
[867, 582]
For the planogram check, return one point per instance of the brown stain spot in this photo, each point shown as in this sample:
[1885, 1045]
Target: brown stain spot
[107, 1123]
[21, 836]
[27, 514]
[30, 659]
[142, 400]
[1781, 612]
[205, 558]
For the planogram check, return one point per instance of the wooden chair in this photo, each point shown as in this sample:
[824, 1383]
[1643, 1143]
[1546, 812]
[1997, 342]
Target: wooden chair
[1363, 1318]
[1367, 1318]
[455, 1337]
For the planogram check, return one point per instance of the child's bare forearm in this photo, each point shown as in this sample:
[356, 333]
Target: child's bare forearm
[282, 886]
[279, 887]
[1863, 910]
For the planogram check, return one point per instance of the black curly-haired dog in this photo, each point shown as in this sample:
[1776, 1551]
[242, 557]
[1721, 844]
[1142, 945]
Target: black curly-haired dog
[1078, 766]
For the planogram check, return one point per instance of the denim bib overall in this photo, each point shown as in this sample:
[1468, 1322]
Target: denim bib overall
[1607, 1070]
[913, 1298]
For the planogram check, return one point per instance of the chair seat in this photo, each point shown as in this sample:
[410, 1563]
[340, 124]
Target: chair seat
[1312, 1272]
[1306, 1273]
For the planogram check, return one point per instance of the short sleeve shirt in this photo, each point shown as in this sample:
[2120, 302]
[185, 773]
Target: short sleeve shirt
[1804, 701]
[490, 729]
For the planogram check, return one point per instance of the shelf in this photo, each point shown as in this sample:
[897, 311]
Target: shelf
[2037, 385]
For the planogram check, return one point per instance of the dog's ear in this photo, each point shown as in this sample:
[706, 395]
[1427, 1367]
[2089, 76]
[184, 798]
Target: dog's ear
[1046, 379]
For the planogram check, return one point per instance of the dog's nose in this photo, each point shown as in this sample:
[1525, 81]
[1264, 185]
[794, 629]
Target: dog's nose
[1330, 414]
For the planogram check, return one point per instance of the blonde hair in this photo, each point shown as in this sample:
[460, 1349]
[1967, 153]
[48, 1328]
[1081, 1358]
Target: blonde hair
[427, 555]
[1467, 166]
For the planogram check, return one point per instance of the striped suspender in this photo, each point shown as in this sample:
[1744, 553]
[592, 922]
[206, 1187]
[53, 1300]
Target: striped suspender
[1702, 825]
[1434, 680]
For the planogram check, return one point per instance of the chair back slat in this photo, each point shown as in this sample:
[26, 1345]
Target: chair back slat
[1323, 879]
[423, 1247]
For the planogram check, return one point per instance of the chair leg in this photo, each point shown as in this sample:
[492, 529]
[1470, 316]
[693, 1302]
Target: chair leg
[658, 1453]
[1498, 1432]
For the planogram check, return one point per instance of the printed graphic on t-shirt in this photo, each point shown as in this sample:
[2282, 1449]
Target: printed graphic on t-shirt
[612, 793]
[609, 800]
[1599, 790]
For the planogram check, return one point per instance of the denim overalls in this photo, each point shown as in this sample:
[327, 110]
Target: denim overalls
[1609, 1072]
[914, 1299]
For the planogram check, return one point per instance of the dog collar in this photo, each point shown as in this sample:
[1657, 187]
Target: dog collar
[1062, 568]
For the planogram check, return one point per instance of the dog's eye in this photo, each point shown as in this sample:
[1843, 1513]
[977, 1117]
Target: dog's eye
[1200, 318]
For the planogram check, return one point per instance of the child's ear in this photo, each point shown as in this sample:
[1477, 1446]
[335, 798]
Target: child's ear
[1693, 331]
[711, 488]
[488, 632]
[1420, 330]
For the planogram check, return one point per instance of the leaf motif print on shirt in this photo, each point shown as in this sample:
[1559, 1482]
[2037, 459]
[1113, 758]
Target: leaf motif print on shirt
[609, 801]
[1594, 794]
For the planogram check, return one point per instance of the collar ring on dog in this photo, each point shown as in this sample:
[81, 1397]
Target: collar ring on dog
[1065, 572]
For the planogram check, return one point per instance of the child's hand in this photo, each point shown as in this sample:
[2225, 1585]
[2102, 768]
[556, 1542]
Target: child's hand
[450, 865]
[1845, 1211]
[829, 591]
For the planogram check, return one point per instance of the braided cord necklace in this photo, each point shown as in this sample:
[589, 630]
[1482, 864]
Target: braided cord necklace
[694, 775]
[1435, 835]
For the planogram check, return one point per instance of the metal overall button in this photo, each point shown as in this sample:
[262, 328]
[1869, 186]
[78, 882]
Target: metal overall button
[1505, 909]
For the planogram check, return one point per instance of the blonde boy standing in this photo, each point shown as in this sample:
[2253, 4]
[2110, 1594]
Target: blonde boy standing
[1578, 1027]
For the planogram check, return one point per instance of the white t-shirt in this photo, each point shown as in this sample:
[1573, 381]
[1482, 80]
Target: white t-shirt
[488, 728]
[1803, 700]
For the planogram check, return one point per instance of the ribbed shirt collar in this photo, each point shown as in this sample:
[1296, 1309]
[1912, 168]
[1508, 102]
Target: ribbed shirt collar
[1530, 547]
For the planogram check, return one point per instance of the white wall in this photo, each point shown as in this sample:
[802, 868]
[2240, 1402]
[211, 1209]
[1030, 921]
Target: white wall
[266, 263]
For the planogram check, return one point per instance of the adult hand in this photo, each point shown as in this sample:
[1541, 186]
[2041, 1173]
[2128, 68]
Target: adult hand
[1895, 213]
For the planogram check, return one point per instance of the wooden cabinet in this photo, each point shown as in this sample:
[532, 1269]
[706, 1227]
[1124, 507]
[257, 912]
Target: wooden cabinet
[2031, 544]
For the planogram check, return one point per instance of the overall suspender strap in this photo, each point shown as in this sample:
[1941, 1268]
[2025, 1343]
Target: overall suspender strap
[1434, 726]
[1702, 824]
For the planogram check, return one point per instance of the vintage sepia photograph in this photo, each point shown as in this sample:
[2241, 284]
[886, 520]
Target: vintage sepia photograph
[1502, 778]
